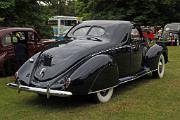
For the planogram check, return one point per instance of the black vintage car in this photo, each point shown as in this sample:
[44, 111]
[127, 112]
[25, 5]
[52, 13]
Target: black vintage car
[171, 34]
[95, 57]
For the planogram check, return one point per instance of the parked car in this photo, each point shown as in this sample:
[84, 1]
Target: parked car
[95, 57]
[16, 46]
[171, 34]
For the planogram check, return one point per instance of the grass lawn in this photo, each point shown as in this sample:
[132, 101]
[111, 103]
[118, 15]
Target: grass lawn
[143, 99]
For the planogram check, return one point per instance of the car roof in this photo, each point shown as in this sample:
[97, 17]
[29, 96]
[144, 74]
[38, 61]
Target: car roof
[6, 30]
[174, 23]
[173, 27]
[116, 30]
[105, 22]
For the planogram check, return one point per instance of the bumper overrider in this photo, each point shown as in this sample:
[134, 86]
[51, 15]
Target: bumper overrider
[49, 92]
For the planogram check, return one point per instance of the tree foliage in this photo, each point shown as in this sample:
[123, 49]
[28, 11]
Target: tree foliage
[25, 13]
[147, 12]
[6, 4]
[31, 13]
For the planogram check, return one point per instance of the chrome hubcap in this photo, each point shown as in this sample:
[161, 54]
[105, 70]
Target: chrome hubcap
[104, 92]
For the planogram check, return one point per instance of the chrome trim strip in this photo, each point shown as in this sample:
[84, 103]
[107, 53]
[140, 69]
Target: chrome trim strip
[133, 78]
[106, 50]
[49, 92]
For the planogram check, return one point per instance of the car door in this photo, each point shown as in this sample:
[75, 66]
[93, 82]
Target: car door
[123, 57]
[7, 57]
[136, 51]
[33, 43]
[8, 47]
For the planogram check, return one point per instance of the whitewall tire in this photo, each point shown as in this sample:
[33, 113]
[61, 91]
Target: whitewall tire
[177, 43]
[160, 67]
[104, 96]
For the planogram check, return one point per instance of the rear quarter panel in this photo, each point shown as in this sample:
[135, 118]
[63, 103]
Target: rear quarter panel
[95, 74]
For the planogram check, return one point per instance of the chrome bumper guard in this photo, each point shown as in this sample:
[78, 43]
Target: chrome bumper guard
[47, 91]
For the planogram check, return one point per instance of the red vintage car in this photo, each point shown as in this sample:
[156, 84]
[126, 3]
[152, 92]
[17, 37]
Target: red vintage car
[16, 46]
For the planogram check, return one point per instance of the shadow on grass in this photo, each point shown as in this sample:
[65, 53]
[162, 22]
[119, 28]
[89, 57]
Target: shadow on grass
[79, 101]
[58, 102]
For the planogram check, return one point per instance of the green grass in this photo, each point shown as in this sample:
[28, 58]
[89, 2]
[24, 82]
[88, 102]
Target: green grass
[143, 99]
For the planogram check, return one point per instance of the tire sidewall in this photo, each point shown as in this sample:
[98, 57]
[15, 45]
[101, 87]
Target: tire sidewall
[106, 98]
[161, 74]
[177, 42]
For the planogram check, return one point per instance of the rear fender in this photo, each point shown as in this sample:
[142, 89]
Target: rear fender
[87, 76]
[165, 51]
[152, 56]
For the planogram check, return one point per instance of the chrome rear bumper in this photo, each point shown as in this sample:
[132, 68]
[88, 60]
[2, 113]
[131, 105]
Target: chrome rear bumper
[47, 91]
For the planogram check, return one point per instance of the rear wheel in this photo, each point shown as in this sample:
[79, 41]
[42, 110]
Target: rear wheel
[177, 42]
[104, 96]
[160, 67]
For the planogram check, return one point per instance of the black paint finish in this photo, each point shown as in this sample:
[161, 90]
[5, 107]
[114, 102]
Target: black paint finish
[91, 63]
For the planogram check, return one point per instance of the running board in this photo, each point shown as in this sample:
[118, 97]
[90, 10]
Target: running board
[134, 77]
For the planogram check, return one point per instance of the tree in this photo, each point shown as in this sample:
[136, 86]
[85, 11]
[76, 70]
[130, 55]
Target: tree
[145, 12]
[26, 13]
[61, 7]
[4, 6]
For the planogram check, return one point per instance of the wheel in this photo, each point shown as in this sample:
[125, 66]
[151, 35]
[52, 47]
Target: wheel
[103, 96]
[160, 67]
[177, 42]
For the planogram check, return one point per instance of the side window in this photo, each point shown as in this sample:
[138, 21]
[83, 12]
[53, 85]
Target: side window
[135, 35]
[21, 35]
[6, 40]
[32, 36]
[96, 31]
[62, 22]
[18, 37]
[14, 39]
[81, 31]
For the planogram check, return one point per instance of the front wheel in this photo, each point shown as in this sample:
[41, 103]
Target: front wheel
[159, 73]
[104, 96]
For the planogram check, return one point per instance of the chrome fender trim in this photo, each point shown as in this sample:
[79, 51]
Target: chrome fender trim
[49, 92]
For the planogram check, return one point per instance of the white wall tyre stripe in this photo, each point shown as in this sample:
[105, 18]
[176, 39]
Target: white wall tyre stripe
[161, 66]
[104, 98]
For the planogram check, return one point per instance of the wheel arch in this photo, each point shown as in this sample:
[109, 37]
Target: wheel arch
[152, 56]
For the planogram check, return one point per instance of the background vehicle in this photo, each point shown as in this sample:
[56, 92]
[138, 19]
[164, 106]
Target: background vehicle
[95, 57]
[16, 46]
[61, 24]
[171, 34]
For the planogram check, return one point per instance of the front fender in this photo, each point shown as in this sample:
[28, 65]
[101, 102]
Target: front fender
[89, 75]
[152, 56]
